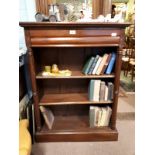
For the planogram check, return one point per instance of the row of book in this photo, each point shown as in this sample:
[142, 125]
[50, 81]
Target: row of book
[99, 64]
[99, 116]
[100, 90]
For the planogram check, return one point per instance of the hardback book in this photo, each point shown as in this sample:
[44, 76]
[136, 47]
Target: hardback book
[93, 65]
[106, 93]
[87, 65]
[110, 90]
[107, 63]
[102, 64]
[108, 116]
[97, 65]
[102, 91]
[92, 116]
[48, 116]
[103, 116]
[99, 117]
[96, 90]
[91, 90]
[111, 64]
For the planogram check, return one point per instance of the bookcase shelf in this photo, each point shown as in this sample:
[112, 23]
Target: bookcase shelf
[76, 75]
[70, 98]
[64, 129]
[67, 96]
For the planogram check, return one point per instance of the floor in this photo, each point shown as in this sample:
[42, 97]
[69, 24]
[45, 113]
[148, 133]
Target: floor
[124, 146]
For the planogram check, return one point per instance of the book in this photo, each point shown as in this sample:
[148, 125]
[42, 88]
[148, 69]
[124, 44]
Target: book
[91, 90]
[48, 116]
[106, 93]
[108, 116]
[102, 91]
[93, 65]
[103, 62]
[88, 65]
[96, 90]
[99, 116]
[103, 117]
[111, 64]
[97, 65]
[106, 63]
[92, 116]
[110, 90]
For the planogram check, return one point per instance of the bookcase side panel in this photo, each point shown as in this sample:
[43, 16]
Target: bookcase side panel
[32, 73]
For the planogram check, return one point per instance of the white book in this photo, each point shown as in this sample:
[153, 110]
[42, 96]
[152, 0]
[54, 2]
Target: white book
[97, 65]
[96, 116]
[99, 117]
[103, 61]
[108, 115]
[96, 90]
[106, 93]
[103, 117]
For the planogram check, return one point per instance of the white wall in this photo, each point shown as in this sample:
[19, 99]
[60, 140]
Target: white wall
[27, 11]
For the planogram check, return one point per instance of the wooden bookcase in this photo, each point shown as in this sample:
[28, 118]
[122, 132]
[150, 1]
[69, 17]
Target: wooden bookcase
[69, 45]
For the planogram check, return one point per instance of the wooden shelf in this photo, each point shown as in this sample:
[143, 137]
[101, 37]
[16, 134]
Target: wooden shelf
[75, 128]
[76, 75]
[70, 98]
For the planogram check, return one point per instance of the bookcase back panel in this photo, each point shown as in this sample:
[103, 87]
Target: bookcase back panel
[70, 110]
[55, 86]
[67, 58]
[62, 86]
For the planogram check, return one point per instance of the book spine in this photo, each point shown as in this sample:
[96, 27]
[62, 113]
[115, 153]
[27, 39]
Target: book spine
[106, 63]
[111, 64]
[96, 90]
[106, 93]
[109, 90]
[102, 91]
[99, 70]
[91, 90]
[89, 65]
[85, 65]
[91, 116]
[93, 65]
[97, 65]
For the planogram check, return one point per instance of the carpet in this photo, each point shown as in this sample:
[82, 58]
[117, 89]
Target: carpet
[126, 83]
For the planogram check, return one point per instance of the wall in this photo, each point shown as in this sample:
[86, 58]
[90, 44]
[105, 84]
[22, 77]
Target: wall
[27, 10]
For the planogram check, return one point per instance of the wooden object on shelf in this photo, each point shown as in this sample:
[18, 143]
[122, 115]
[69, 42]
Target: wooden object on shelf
[69, 45]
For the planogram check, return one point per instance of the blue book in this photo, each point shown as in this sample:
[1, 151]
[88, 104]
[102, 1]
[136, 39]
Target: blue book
[93, 64]
[111, 64]
[87, 65]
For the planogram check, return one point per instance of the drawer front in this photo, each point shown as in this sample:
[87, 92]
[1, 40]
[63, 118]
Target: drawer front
[73, 32]
[84, 37]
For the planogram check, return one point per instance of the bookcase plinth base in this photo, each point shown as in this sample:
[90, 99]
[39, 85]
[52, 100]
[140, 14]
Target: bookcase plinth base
[74, 136]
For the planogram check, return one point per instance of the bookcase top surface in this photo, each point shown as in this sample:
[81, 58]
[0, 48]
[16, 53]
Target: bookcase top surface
[75, 24]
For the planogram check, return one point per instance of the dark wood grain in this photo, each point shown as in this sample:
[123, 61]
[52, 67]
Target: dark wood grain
[67, 97]
[70, 98]
[75, 128]
[76, 75]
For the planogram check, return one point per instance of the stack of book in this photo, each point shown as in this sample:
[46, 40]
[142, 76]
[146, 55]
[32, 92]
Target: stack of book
[99, 116]
[99, 64]
[100, 90]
